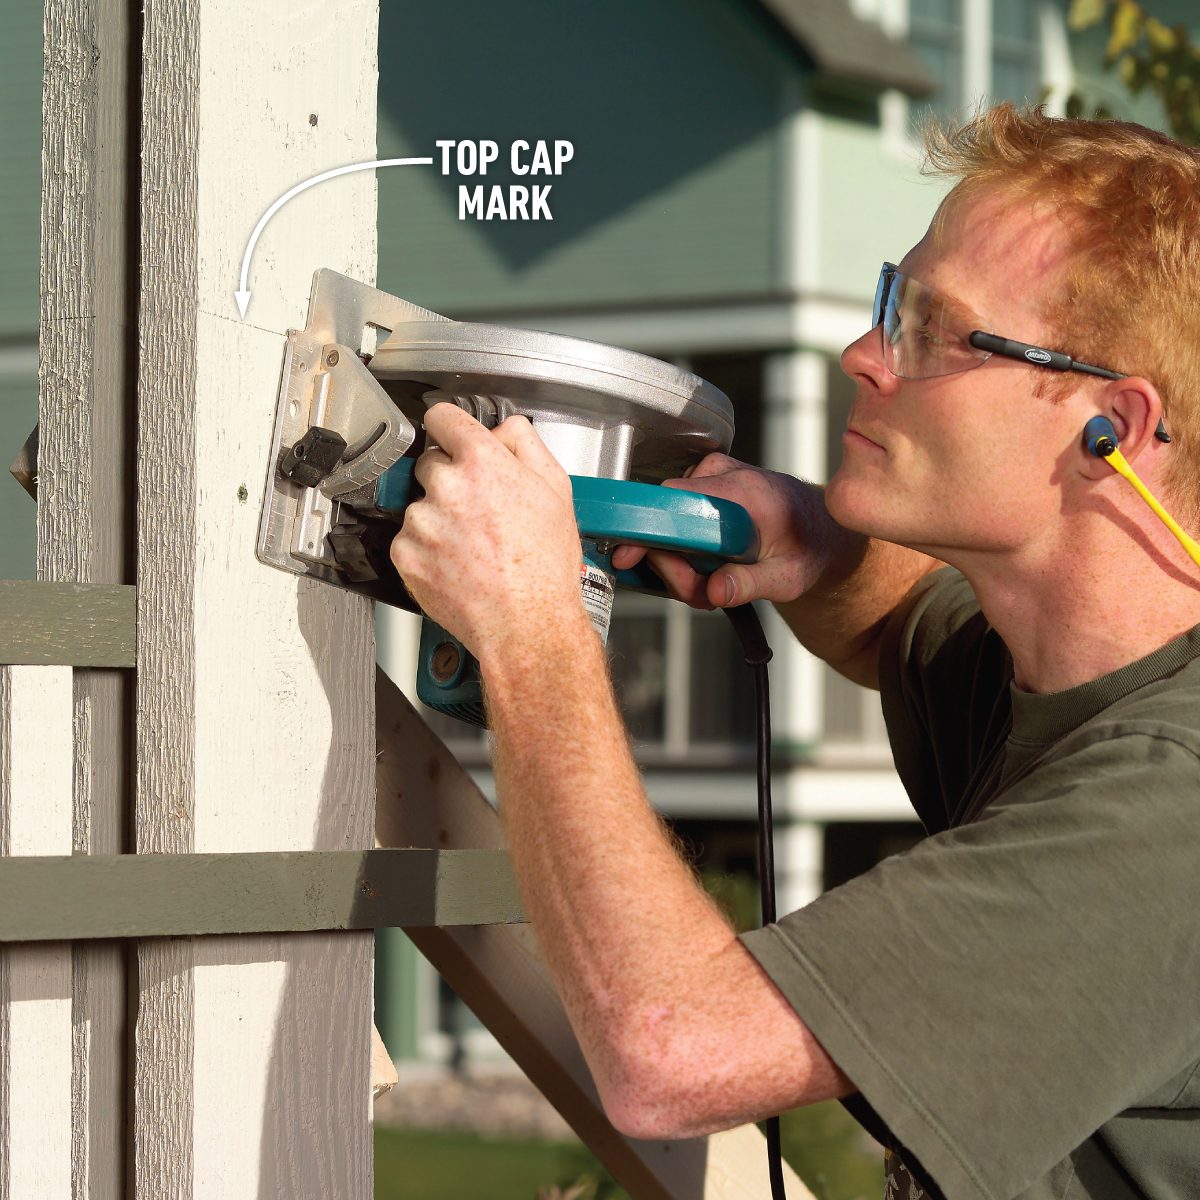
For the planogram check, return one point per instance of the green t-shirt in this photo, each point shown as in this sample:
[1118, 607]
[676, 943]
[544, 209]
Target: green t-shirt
[1017, 998]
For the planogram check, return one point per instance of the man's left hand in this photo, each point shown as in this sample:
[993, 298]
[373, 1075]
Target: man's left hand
[492, 550]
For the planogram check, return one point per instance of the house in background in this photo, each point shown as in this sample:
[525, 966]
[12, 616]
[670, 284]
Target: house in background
[740, 170]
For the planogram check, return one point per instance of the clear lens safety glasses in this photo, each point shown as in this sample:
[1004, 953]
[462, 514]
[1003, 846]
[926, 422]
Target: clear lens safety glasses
[925, 334]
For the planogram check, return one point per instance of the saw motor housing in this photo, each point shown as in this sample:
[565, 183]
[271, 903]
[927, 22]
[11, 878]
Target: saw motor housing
[356, 382]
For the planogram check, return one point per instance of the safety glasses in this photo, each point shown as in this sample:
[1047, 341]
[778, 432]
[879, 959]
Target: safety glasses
[927, 334]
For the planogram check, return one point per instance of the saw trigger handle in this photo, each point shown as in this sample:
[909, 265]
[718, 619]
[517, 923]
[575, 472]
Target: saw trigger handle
[707, 530]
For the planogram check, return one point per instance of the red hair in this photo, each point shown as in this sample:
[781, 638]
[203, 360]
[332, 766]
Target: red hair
[1129, 298]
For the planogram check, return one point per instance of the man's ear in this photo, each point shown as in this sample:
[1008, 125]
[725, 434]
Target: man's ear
[1134, 407]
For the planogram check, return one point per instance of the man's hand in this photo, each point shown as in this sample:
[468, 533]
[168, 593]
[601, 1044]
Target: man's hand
[833, 587]
[796, 537]
[492, 550]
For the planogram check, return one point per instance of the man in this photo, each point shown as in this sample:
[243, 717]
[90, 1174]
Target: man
[1010, 1006]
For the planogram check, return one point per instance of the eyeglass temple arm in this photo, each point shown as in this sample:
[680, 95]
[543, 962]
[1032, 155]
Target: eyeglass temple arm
[1039, 356]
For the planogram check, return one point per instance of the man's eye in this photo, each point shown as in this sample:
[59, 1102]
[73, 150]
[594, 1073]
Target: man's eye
[937, 337]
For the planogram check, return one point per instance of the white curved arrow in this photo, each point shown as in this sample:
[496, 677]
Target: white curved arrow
[242, 295]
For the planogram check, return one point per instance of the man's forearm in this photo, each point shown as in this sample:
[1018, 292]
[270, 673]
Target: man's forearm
[682, 1030]
[621, 920]
[841, 617]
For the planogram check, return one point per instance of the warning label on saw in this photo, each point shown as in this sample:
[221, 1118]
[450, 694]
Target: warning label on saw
[500, 201]
[598, 591]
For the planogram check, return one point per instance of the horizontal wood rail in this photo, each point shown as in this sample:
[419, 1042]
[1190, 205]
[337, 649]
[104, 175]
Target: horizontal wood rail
[62, 898]
[46, 624]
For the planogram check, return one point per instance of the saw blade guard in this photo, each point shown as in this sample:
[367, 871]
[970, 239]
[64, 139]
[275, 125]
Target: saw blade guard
[602, 411]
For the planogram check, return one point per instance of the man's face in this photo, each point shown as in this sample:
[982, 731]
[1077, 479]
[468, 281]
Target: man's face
[971, 461]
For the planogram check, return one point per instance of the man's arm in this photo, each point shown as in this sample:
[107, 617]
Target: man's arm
[683, 1031]
[835, 588]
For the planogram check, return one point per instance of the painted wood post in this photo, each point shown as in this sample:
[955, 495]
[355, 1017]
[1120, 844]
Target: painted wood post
[255, 693]
[35, 979]
[85, 488]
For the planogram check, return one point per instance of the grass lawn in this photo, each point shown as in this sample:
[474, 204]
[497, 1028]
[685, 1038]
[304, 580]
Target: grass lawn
[828, 1150]
[822, 1143]
[413, 1164]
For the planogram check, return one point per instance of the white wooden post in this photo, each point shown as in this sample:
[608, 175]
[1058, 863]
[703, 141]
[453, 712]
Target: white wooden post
[795, 396]
[255, 690]
[35, 979]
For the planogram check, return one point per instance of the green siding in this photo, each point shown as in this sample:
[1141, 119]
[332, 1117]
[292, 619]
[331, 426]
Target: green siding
[872, 205]
[20, 179]
[20, 188]
[18, 513]
[672, 106]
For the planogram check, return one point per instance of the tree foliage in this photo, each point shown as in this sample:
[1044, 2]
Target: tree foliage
[1146, 54]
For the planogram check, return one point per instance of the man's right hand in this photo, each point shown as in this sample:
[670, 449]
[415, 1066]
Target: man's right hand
[833, 587]
[796, 537]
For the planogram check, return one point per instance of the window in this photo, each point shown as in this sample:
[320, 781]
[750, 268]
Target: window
[681, 682]
[1016, 57]
[679, 673]
[935, 29]
[854, 847]
[853, 715]
[976, 50]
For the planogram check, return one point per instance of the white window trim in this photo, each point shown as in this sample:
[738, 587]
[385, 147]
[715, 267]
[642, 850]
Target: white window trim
[977, 50]
[1058, 71]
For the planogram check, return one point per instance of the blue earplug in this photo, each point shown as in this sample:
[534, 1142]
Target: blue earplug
[1100, 437]
[1101, 440]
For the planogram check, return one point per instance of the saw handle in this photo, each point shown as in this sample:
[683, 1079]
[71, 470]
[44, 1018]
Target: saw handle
[707, 530]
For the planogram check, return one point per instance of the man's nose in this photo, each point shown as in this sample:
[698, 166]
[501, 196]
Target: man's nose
[863, 360]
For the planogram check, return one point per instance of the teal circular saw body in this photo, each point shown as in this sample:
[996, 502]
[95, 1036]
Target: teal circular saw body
[609, 512]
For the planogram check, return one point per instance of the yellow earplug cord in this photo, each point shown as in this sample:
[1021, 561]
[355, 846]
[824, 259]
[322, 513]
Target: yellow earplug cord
[1116, 460]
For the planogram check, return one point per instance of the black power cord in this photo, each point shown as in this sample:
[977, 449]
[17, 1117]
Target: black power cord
[757, 653]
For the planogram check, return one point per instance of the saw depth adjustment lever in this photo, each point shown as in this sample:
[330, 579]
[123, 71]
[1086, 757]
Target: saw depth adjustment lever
[356, 382]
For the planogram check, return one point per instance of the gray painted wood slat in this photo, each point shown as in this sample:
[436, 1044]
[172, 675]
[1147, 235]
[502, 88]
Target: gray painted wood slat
[86, 487]
[61, 897]
[66, 624]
